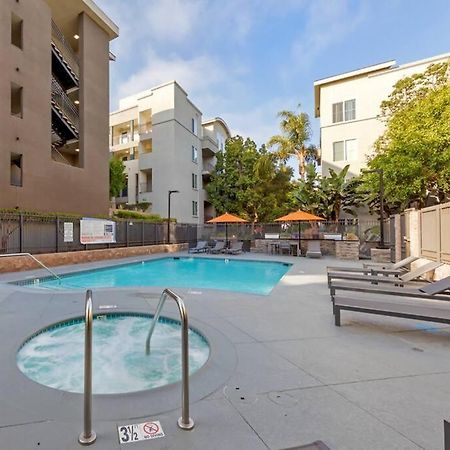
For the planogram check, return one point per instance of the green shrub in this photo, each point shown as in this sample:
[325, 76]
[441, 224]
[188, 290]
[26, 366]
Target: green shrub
[126, 214]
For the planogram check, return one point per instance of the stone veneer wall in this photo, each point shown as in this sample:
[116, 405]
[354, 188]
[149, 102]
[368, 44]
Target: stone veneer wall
[347, 250]
[20, 263]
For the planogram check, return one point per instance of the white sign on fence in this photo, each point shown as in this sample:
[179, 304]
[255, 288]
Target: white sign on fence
[68, 232]
[97, 231]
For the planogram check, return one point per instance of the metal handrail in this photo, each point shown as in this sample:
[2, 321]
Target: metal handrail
[65, 48]
[35, 259]
[184, 422]
[88, 435]
[66, 105]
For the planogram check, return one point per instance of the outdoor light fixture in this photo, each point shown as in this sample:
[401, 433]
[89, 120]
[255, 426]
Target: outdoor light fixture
[77, 102]
[77, 149]
[168, 215]
[380, 172]
[76, 36]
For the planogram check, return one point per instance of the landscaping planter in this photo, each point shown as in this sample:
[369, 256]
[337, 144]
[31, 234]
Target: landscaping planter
[347, 250]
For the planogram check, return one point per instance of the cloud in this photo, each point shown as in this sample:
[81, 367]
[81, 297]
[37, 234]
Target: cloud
[173, 20]
[328, 23]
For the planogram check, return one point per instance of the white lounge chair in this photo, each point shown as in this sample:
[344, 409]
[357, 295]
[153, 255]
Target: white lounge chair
[313, 249]
[219, 247]
[202, 246]
[236, 247]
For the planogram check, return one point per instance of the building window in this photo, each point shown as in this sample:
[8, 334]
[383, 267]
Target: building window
[345, 150]
[195, 209]
[194, 125]
[16, 100]
[344, 111]
[350, 109]
[194, 154]
[337, 112]
[16, 170]
[16, 30]
[194, 181]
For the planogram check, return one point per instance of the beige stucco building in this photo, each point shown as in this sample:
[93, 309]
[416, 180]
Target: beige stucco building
[54, 86]
[165, 145]
[348, 106]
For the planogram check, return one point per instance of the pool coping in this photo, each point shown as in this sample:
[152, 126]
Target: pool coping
[49, 403]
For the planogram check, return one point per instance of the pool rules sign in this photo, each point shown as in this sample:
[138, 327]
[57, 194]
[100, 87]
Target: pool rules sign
[140, 432]
[97, 231]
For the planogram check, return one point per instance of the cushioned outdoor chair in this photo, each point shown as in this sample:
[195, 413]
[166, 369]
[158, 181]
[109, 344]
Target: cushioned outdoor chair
[374, 276]
[236, 247]
[313, 249]
[402, 264]
[219, 247]
[202, 246]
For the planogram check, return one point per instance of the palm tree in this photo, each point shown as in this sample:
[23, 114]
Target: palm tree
[296, 132]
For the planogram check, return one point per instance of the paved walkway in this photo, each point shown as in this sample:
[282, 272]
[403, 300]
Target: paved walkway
[281, 374]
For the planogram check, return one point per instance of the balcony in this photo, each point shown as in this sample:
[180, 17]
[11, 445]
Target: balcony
[65, 117]
[125, 140]
[145, 130]
[209, 146]
[207, 170]
[64, 60]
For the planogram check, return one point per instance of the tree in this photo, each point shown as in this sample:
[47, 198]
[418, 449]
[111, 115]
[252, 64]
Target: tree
[117, 177]
[296, 132]
[327, 196]
[414, 151]
[249, 182]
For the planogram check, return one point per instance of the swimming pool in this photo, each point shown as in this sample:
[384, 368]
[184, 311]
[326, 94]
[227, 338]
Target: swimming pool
[256, 277]
[54, 356]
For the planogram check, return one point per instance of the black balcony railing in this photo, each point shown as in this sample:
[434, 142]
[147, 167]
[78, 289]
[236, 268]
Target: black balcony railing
[65, 106]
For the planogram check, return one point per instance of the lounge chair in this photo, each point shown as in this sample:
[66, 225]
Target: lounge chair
[430, 304]
[236, 247]
[313, 250]
[219, 247]
[398, 279]
[284, 247]
[398, 265]
[202, 246]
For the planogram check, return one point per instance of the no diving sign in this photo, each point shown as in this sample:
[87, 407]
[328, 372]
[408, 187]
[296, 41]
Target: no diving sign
[140, 432]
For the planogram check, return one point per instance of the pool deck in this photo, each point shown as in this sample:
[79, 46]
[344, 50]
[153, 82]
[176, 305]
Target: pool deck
[281, 373]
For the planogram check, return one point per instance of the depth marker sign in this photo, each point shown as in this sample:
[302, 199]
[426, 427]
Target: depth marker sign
[140, 432]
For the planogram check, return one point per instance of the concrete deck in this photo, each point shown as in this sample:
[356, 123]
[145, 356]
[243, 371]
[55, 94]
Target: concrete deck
[280, 375]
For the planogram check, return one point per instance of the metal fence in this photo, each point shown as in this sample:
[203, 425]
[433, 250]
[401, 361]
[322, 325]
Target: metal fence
[45, 234]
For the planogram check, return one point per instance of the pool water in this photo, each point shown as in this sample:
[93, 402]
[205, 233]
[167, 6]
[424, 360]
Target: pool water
[54, 357]
[256, 277]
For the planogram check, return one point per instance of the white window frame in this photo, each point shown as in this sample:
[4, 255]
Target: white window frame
[194, 154]
[194, 208]
[194, 181]
[349, 113]
[345, 144]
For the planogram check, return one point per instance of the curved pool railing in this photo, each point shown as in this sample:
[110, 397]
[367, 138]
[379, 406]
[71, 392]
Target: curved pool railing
[184, 422]
[8, 255]
[88, 436]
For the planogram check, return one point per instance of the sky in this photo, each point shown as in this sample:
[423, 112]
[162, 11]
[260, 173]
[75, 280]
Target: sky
[246, 60]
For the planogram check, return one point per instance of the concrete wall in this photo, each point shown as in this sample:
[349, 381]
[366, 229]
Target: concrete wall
[49, 185]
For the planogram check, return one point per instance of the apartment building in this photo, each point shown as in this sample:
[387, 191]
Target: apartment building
[54, 83]
[348, 106]
[165, 146]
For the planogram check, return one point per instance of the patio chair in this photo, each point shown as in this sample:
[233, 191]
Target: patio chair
[202, 246]
[398, 265]
[284, 248]
[398, 279]
[313, 250]
[219, 247]
[236, 247]
[430, 304]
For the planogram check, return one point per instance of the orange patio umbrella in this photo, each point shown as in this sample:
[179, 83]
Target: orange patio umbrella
[226, 219]
[299, 216]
